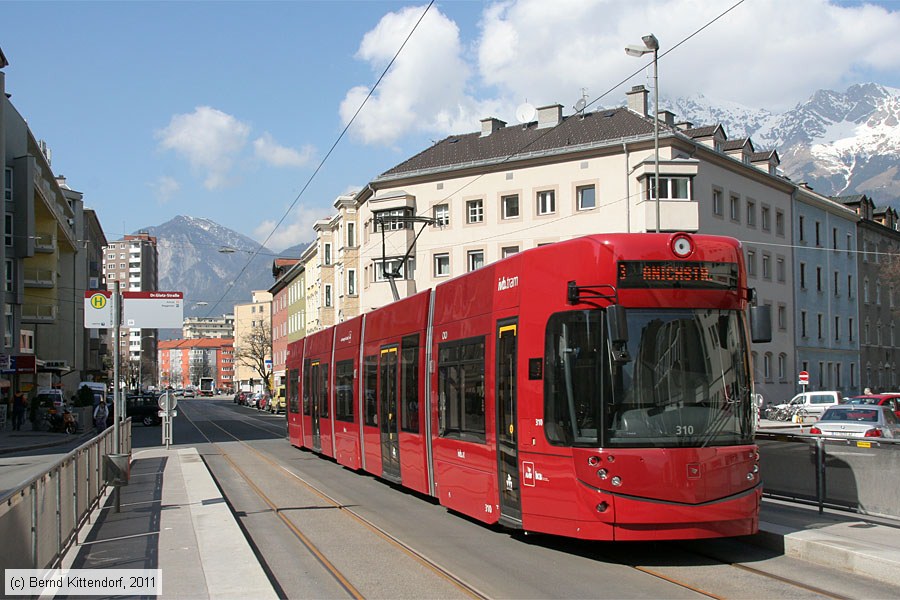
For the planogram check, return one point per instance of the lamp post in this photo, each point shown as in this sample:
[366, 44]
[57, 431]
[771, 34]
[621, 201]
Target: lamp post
[141, 361]
[651, 44]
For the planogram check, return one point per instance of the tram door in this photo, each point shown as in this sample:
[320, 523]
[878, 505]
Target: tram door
[315, 395]
[507, 436]
[390, 422]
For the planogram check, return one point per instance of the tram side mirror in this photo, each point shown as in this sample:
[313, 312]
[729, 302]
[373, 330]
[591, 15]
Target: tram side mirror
[617, 325]
[760, 324]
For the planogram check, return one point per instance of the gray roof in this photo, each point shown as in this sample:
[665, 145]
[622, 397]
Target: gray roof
[701, 132]
[518, 141]
[737, 144]
[849, 199]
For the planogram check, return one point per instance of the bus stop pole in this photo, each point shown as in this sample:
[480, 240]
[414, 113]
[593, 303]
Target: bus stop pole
[117, 412]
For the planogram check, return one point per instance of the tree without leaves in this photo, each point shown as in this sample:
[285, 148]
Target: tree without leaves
[255, 348]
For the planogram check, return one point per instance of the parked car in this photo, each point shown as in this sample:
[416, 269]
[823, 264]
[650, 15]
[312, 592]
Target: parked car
[858, 421]
[814, 403]
[891, 400]
[143, 408]
[189, 393]
[252, 399]
[278, 403]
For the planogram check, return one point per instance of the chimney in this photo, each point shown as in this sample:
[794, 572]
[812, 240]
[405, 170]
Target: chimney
[637, 100]
[684, 125]
[549, 116]
[490, 125]
[666, 117]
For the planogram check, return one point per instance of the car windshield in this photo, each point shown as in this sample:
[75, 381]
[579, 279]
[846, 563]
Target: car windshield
[862, 400]
[683, 382]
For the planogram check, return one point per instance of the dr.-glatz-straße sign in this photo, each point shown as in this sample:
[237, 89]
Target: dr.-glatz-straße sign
[153, 310]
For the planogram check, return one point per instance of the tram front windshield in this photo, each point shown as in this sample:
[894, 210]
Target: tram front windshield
[683, 380]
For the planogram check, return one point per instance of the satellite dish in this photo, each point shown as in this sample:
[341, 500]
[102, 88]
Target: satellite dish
[579, 106]
[525, 113]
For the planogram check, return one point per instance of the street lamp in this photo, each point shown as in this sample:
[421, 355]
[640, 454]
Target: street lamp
[141, 361]
[651, 44]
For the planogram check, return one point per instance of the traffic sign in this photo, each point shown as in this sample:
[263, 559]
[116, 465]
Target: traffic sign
[804, 377]
[98, 313]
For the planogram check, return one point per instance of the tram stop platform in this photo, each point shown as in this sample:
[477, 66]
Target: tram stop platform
[172, 517]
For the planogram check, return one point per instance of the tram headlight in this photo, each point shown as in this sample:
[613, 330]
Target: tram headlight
[602, 507]
[617, 481]
[602, 473]
[756, 468]
[750, 476]
[594, 461]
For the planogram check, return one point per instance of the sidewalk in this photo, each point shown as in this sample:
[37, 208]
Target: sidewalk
[26, 439]
[172, 517]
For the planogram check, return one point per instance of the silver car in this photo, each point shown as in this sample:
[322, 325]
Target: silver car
[858, 421]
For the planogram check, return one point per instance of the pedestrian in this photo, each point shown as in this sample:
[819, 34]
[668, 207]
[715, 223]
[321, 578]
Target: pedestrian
[867, 391]
[18, 414]
[100, 415]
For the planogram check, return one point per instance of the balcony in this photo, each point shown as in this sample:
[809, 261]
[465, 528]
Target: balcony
[44, 242]
[39, 278]
[38, 313]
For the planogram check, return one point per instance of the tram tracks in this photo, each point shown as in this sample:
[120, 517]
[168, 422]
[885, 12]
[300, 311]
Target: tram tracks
[307, 541]
[688, 567]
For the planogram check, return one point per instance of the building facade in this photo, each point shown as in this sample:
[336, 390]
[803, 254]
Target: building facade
[182, 363]
[208, 327]
[252, 341]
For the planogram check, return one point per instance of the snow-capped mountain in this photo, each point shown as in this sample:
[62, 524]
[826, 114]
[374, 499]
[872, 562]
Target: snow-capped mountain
[838, 142]
[190, 260]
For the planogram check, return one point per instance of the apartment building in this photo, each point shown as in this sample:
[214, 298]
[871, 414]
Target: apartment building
[133, 262]
[489, 194]
[284, 272]
[182, 363]
[208, 327]
[44, 261]
[96, 342]
[877, 249]
[253, 341]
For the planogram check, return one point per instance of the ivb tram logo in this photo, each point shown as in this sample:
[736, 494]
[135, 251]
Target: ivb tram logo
[507, 283]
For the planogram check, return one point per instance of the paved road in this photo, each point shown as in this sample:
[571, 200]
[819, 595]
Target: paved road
[267, 482]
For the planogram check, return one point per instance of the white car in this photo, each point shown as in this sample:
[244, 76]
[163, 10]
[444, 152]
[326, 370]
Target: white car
[858, 421]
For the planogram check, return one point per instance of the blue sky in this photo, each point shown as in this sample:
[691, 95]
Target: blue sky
[225, 109]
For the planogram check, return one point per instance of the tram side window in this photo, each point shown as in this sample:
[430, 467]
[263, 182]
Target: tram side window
[371, 388]
[343, 391]
[323, 392]
[409, 377]
[306, 387]
[293, 384]
[461, 389]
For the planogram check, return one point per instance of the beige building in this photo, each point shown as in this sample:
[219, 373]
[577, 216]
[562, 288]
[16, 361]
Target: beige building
[247, 317]
[509, 188]
[208, 327]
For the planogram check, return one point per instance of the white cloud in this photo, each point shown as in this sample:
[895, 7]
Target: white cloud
[210, 140]
[425, 89]
[270, 151]
[164, 188]
[290, 233]
[763, 54]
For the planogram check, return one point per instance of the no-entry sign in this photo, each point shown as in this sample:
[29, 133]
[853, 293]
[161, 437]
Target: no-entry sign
[804, 378]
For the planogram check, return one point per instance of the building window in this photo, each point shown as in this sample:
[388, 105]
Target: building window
[834, 237]
[803, 323]
[766, 266]
[717, 207]
[326, 253]
[837, 329]
[475, 259]
[779, 222]
[818, 234]
[765, 219]
[782, 366]
[8, 184]
[850, 328]
[802, 276]
[837, 283]
[670, 188]
[327, 295]
[510, 206]
[8, 232]
[586, 195]
[546, 202]
[441, 265]
[475, 211]
[877, 293]
[780, 268]
[751, 263]
[866, 290]
[818, 279]
[441, 213]
[751, 213]
[735, 204]
[820, 326]
[351, 234]
[10, 276]
[802, 227]
[392, 220]
[767, 366]
[508, 251]
[351, 282]
[850, 286]
[394, 267]
[782, 317]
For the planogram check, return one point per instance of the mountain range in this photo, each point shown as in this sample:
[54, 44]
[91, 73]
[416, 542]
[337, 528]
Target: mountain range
[838, 142]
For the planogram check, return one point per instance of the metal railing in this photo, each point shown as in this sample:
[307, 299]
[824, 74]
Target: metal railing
[41, 519]
[858, 474]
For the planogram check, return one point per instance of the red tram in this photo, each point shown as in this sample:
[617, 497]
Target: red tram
[597, 388]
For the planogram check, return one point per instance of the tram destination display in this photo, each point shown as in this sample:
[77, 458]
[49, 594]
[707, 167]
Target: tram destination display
[676, 274]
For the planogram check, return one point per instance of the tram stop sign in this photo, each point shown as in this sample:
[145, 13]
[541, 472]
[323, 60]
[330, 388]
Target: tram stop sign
[804, 378]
